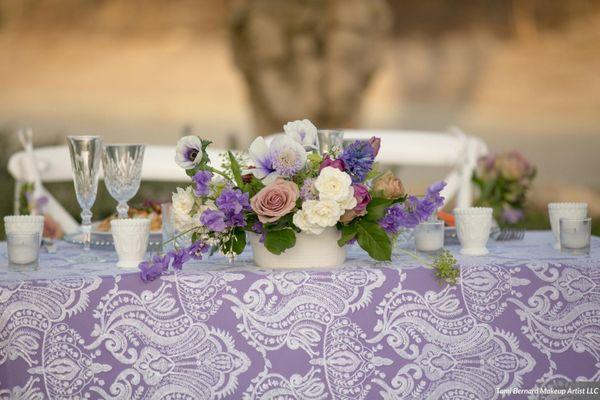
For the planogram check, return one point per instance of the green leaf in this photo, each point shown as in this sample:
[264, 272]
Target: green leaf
[376, 208]
[237, 243]
[236, 170]
[348, 233]
[373, 239]
[279, 241]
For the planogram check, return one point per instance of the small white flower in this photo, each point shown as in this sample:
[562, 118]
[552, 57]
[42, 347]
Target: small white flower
[336, 185]
[188, 152]
[303, 132]
[183, 200]
[316, 215]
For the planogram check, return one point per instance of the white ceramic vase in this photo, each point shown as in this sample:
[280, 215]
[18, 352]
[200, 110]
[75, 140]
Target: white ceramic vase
[556, 211]
[473, 226]
[130, 237]
[310, 251]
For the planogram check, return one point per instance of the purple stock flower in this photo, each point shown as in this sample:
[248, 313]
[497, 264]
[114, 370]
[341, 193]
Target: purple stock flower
[202, 180]
[213, 220]
[413, 211]
[358, 158]
[329, 162]
[150, 270]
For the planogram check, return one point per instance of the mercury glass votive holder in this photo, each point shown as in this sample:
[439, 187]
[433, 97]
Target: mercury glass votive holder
[429, 236]
[329, 139]
[23, 249]
[575, 235]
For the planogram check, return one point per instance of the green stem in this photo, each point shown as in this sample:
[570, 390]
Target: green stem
[179, 235]
[415, 257]
[216, 171]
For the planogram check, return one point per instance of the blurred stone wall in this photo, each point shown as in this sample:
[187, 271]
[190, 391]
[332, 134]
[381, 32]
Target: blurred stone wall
[308, 59]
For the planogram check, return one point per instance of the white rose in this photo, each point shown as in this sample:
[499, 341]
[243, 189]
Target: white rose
[303, 132]
[183, 200]
[336, 185]
[301, 222]
[317, 214]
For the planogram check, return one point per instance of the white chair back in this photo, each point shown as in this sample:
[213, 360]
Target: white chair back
[53, 164]
[453, 149]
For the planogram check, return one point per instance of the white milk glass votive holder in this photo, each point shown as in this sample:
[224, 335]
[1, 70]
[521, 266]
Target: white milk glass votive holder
[24, 224]
[575, 235]
[429, 236]
[23, 249]
[130, 237]
[556, 211]
[473, 226]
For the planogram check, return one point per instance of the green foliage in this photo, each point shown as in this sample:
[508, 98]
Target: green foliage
[235, 170]
[377, 208]
[348, 233]
[279, 241]
[445, 269]
[236, 243]
[373, 239]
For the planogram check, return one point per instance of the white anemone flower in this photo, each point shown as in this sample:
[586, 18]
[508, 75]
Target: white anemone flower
[303, 132]
[189, 152]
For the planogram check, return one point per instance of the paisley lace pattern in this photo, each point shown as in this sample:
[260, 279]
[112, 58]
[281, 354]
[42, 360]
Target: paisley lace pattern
[523, 316]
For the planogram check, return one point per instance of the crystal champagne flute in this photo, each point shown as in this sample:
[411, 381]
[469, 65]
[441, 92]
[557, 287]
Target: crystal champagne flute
[85, 154]
[122, 165]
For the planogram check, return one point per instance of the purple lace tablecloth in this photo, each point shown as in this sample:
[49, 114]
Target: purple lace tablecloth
[525, 316]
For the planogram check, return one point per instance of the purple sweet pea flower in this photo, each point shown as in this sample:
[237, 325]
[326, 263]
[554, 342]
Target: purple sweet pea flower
[361, 193]
[258, 228]
[179, 257]
[197, 249]
[213, 220]
[232, 203]
[358, 159]
[413, 211]
[329, 162]
[202, 180]
[150, 270]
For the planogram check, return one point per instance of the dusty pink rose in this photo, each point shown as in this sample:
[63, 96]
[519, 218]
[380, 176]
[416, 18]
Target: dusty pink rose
[388, 186]
[329, 162]
[275, 200]
[361, 193]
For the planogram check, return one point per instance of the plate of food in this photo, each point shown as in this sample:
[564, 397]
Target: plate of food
[148, 209]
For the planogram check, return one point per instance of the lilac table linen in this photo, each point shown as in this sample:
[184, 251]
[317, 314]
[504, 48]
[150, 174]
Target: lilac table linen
[524, 316]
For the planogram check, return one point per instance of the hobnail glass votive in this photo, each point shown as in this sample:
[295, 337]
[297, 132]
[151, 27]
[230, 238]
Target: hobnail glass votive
[429, 236]
[23, 249]
[575, 235]
[473, 226]
[130, 236]
[24, 224]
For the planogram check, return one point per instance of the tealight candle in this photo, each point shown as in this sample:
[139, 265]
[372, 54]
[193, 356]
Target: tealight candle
[23, 248]
[575, 235]
[429, 236]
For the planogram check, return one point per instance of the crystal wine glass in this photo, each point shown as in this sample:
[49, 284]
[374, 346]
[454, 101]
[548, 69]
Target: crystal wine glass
[122, 164]
[85, 154]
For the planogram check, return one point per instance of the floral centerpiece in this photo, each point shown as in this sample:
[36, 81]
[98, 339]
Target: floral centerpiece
[503, 181]
[285, 190]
